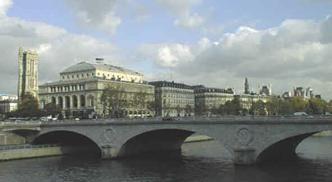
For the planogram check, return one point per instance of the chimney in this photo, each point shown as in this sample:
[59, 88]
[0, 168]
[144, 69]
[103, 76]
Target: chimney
[99, 60]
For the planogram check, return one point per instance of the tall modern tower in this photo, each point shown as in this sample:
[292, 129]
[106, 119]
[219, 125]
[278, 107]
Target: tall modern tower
[27, 73]
[246, 87]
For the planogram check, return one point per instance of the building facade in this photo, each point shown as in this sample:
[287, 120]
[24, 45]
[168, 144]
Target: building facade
[209, 99]
[27, 73]
[81, 87]
[247, 100]
[173, 99]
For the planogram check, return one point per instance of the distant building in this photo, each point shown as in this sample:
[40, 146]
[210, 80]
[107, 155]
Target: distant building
[27, 73]
[266, 90]
[79, 90]
[246, 100]
[208, 99]
[299, 92]
[4, 97]
[305, 93]
[286, 95]
[8, 103]
[173, 99]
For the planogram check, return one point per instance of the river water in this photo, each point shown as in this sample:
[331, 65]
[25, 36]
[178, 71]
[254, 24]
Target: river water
[204, 161]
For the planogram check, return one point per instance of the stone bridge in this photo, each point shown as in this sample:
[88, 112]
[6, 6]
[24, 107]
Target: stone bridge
[249, 140]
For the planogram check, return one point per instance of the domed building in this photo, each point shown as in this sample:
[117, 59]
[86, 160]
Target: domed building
[81, 87]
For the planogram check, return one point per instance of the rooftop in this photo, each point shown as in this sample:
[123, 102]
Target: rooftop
[85, 66]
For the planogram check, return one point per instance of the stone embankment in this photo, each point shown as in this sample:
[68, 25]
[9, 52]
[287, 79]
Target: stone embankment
[197, 138]
[323, 134]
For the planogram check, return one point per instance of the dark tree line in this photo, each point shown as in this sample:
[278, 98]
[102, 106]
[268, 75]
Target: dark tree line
[29, 107]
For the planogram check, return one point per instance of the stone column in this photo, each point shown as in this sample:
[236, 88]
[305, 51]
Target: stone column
[78, 102]
[56, 100]
[71, 104]
[64, 102]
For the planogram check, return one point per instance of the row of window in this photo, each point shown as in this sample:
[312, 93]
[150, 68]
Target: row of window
[67, 88]
[189, 96]
[90, 75]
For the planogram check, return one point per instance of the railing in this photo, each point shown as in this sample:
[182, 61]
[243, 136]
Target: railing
[169, 119]
[26, 146]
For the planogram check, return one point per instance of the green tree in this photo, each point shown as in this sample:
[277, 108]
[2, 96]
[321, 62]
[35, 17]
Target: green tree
[52, 109]
[316, 106]
[188, 110]
[298, 104]
[258, 108]
[233, 107]
[273, 106]
[113, 100]
[28, 107]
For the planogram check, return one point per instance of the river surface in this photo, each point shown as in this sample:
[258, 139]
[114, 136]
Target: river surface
[204, 161]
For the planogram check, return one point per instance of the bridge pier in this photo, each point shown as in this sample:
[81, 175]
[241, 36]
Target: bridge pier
[109, 152]
[244, 156]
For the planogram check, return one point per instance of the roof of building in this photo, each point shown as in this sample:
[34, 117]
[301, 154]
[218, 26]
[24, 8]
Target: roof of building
[203, 89]
[170, 84]
[85, 66]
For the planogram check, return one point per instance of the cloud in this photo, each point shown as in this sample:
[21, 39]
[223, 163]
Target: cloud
[183, 11]
[4, 6]
[98, 14]
[168, 55]
[56, 47]
[298, 52]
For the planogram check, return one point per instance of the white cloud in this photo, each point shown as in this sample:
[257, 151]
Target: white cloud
[189, 21]
[4, 6]
[296, 53]
[183, 11]
[168, 55]
[99, 14]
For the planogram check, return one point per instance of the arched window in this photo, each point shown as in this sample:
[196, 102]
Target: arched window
[75, 101]
[82, 100]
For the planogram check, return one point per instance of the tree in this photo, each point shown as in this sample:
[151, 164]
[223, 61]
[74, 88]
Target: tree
[27, 107]
[273, 106]
[258, 108]
[298, 104]
[114, 101]
[316, 106]
[52, 109]
[233, 107]
[178, 110]
[188, 110]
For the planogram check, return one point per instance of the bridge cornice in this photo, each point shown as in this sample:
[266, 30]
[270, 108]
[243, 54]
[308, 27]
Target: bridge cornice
[313, 121]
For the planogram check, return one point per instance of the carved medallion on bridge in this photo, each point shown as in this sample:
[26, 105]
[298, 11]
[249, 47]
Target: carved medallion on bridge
[108, 136]
[244, 136]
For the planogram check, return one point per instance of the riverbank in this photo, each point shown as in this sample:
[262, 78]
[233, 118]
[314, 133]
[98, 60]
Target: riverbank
[323, 134]
[25, 153]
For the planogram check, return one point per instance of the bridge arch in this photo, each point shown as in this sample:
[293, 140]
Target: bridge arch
[162, 140]
[283, 148]
[70, 141]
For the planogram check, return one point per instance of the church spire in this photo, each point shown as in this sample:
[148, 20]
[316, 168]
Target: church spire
[246, 86]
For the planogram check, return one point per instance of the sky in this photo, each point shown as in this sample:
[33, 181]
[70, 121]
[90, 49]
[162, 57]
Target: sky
[216, 43]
